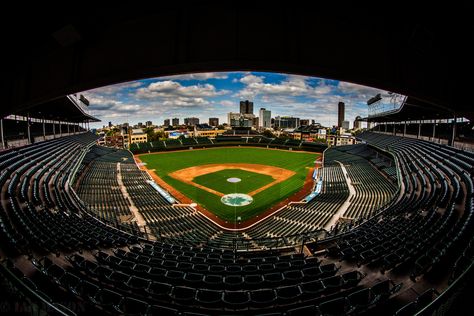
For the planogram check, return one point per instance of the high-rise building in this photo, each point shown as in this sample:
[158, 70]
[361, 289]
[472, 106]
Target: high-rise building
[213, 121]
[264, 118]
[345, 124]
[255, 121]
[240, 120]
[110, 124]
[140, 124]
[233, 118]
[175, 121]
[166, 122]
[148, 123]
[287, 122]
[191, 121]
[304, 122]
[340, 113]
[357, 122]
[246, 107]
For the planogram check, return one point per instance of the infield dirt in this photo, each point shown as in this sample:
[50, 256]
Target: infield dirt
[188, 174]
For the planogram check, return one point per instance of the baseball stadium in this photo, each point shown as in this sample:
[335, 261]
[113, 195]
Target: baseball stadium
[281, 211]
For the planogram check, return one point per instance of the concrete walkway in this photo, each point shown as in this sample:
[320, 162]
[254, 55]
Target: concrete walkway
[138, 216]
[352, 192]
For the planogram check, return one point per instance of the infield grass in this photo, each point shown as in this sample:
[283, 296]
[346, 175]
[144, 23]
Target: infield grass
[250, 181]
[299, 162]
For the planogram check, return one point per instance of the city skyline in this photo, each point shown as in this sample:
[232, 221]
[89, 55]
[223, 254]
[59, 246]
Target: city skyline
[215, 94]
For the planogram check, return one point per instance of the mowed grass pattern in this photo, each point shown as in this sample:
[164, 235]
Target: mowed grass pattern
[250, 181]
[165, 163]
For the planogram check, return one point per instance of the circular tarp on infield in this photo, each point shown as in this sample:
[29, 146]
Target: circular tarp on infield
[236, 199]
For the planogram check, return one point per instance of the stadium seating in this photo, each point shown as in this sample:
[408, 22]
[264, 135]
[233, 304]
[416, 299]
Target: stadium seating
[61, 246]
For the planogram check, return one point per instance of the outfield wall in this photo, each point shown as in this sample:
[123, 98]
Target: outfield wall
[312, 148]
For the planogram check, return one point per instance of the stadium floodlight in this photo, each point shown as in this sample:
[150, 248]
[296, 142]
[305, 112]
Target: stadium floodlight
[372, 100]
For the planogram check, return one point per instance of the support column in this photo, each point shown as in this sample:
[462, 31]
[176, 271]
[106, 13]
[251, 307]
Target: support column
[404, 128]
[28, 127]
[1, 131]
[67, 127]
[44, 130]
[453, 133]
[434, 131]
[60, 130]
[54, 129]
[385, 127]
[419, 129]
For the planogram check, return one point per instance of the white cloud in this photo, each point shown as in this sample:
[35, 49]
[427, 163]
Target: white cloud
[358, 91]
[251, 79]
[293, 85]
[185, 102]
[173, 89]
[197, 76]
[227, 103]
[116, 88]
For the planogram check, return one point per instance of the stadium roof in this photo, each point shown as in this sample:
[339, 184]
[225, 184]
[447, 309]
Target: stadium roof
[66, 108]
[408, 50]
[414, 109]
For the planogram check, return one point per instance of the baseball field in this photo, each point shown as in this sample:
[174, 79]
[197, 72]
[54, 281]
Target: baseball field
[267, 176]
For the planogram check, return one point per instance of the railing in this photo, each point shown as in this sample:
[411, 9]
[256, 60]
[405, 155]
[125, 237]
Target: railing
[29, 301]
[242, 244]
[452, 296]
[441, 141]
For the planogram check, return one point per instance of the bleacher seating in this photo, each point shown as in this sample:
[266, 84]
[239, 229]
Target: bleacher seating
[220, 140]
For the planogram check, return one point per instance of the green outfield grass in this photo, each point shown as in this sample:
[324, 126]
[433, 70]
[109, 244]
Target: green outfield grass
[250, 181]
[165, 163]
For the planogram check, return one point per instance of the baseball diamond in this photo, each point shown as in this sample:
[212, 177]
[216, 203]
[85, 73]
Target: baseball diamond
[268, 176]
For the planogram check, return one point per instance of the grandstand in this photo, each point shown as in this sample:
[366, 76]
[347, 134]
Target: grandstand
[390, 232]
[191, 260]
[197, 261]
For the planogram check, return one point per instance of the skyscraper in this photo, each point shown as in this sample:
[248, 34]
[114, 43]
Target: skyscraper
[166, 122]
[340, 113]
[213, 121]
[175, 121]
[287, 122]
[191, 121]
[264, 118]
[246, 107]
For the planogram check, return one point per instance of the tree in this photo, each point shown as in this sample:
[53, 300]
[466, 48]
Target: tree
[151, 134]
[268, 133]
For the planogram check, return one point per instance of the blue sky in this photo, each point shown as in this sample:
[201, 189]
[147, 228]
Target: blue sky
[205, 95]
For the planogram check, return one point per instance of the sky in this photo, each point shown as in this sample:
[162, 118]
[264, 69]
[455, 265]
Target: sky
[215, 94]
